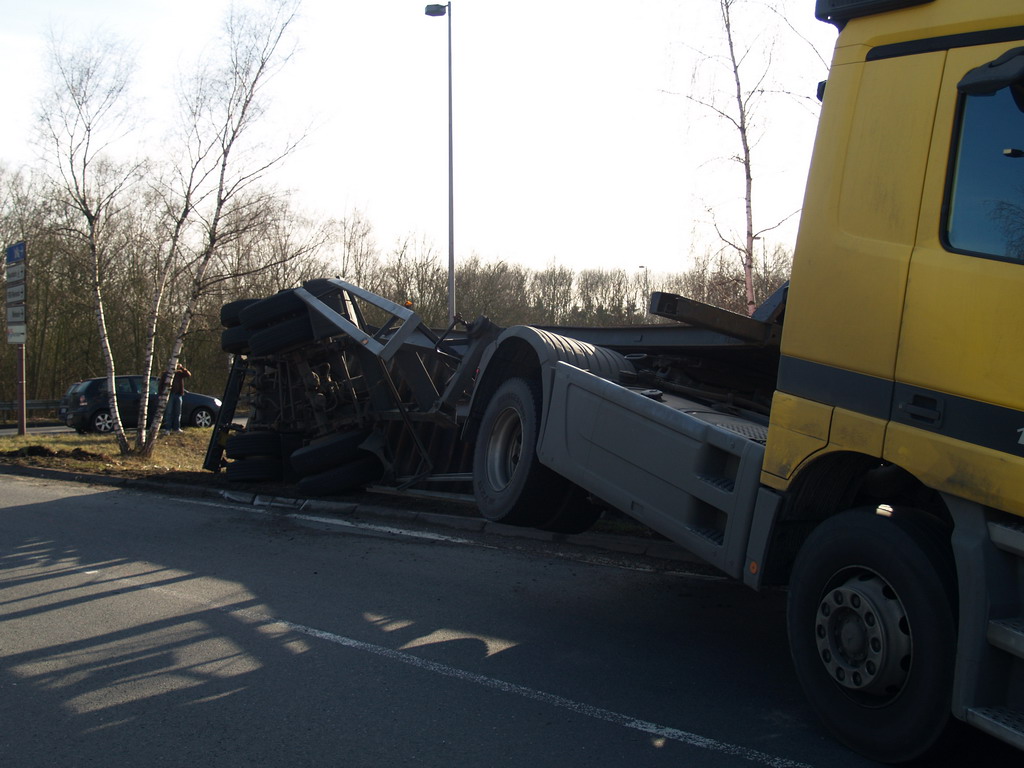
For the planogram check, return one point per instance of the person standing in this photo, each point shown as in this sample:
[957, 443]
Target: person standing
[172, 421]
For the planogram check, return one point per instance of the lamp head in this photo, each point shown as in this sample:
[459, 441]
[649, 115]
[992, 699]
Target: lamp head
[436, 10]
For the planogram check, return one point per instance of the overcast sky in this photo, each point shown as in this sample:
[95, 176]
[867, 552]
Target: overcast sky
[574, 141]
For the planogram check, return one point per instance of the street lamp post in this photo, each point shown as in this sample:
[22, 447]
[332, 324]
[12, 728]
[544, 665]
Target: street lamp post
[446, 10]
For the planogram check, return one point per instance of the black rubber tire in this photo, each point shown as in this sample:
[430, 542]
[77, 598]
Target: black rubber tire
[272, 309]
[350, 477]
[285, 335]
[244, 445]
[235, 340]
[510, 484]
[254, 470]
[328, 452]
[201, 418]
[101, 422]
[872, 630]
[230, 312]
[319, 286]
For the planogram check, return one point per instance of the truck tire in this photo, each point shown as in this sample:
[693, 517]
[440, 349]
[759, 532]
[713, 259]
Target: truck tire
[254, 470]
[229, 313]
[246, 445]
[328, 452]
[872, 630]
[510, 484]
[235, 340]
[264, 312]
[352, 476]
[289, 333]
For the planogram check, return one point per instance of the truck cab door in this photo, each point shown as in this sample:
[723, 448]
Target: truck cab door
[957, 419]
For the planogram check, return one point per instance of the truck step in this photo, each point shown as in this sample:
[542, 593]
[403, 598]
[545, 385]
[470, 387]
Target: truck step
[1009, 537]
[1005, 723]
[1008, 634]
[713, 535]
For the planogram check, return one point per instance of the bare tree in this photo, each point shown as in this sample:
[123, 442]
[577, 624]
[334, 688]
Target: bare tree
[551, 295]
[358, 257]
[84, 117]
[216, 187]
[746, 64]
[413, 272]
[743, 99]
[494, 289]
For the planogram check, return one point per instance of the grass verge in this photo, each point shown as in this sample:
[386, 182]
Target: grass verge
[98, 454]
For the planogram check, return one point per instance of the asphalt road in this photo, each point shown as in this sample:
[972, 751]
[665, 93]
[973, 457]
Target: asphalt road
[138, 629]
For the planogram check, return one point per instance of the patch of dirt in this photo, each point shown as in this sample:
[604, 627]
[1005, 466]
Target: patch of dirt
[41, 451]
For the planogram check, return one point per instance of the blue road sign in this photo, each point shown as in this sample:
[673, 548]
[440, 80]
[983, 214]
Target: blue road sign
[16, 252]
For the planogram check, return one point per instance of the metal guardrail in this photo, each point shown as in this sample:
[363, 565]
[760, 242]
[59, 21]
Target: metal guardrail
[30, 405]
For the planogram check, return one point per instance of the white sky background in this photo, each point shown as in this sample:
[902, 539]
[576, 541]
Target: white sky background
[573, 143]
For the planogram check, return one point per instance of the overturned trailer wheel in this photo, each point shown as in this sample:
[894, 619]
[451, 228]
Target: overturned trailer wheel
[247, 445]
[255, 469]
[230, 313]
[356, 474]
[328, 452]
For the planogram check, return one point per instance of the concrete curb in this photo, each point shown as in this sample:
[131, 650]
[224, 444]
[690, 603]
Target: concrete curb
[287, 506]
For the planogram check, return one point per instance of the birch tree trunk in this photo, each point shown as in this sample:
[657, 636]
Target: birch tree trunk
[86, 113]
[743, 129]
[229, 103]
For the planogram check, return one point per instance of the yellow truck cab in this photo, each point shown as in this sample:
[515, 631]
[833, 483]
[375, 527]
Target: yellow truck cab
[901, 377]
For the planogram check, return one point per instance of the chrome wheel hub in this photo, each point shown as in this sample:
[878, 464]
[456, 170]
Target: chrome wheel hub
[863, 635]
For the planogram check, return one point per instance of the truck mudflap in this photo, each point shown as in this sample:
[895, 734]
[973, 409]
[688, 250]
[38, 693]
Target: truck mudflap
[687, 471]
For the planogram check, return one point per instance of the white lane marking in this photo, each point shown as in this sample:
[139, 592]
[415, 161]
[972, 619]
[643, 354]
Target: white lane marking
[347, 524]
[597, 713]
[388, 529]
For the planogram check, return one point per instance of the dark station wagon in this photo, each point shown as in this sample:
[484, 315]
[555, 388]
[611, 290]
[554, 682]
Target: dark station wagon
[85, 405]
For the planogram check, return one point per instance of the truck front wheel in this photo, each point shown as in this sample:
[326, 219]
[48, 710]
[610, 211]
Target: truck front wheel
[511, 486]
[872, 629]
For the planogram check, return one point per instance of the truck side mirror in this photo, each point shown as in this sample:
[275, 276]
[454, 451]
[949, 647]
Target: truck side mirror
[1005, 71]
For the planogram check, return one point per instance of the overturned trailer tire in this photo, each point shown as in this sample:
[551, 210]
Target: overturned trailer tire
[235, 340]
[352, 476]
[255, 469]
[281, 337]
[328, 452]
[281, 306]
[247, 445]
[230, 313]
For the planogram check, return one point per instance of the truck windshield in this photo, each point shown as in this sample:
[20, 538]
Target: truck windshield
[986, 203]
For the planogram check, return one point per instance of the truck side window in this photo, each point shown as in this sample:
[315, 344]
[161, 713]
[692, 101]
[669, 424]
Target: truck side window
[986, 197]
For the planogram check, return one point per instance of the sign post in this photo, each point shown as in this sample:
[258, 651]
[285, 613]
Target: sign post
[17, 320]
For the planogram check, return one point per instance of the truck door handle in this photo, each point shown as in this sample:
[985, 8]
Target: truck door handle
[923, 408]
